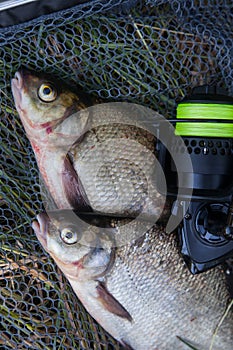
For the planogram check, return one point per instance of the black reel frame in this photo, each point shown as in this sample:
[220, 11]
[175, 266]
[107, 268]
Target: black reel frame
[206, 231]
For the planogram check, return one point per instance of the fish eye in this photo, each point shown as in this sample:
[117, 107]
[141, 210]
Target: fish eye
[68, 236]
[47, 92]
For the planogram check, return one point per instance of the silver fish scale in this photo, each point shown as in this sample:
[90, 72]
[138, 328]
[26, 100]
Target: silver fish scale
[115, 164]
[165, 300]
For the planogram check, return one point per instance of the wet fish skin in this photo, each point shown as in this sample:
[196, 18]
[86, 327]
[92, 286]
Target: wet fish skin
[84, 166]
[107, 158]
[142, 293]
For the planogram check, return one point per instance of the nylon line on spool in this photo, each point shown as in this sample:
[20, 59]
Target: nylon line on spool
[205, 111]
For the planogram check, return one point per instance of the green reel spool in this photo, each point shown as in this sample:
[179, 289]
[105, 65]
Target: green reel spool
[213, 110]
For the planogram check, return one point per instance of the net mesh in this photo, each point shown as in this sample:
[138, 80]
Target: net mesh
[152, 53]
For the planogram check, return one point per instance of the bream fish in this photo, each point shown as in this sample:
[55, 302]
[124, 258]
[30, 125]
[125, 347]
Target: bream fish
[142, 293]
[93, 158]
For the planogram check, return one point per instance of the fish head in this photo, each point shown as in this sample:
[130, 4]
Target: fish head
[72, 246]
[43, 102]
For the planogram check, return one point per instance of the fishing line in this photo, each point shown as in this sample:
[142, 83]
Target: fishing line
[205, 111]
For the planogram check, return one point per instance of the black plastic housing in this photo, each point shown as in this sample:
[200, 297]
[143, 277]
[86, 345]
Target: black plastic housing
[201, 233]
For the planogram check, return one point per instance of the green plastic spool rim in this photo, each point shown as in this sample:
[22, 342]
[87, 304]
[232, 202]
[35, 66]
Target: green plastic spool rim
[205, 111]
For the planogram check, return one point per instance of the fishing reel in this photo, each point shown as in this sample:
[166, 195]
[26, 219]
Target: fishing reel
[204, 121]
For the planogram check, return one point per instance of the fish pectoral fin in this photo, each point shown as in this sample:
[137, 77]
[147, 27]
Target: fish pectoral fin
[110, 303]
[73, 188]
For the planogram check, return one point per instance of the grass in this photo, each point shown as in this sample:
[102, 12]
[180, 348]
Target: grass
[152, 62]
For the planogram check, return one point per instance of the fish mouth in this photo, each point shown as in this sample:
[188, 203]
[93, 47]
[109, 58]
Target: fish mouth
[40, 228]
[18, 80]
[16, 87]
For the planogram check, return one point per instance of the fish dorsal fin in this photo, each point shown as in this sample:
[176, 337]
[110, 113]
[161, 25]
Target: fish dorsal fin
[110, 303]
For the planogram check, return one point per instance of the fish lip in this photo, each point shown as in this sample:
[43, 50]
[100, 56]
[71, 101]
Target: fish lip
[18, 79]
[16, 87]
[40, 227]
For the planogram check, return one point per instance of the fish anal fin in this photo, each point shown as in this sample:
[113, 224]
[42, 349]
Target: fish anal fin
[110, 303]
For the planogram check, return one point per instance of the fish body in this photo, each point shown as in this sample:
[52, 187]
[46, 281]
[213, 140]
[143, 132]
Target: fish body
[141, 293]
[91, 158]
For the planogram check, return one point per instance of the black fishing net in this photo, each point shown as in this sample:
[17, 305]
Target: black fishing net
[149, 52]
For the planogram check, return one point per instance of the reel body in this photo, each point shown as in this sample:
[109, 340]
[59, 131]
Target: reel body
[205, 123]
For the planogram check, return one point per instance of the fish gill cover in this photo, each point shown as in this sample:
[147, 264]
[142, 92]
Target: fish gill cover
[152, 54]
